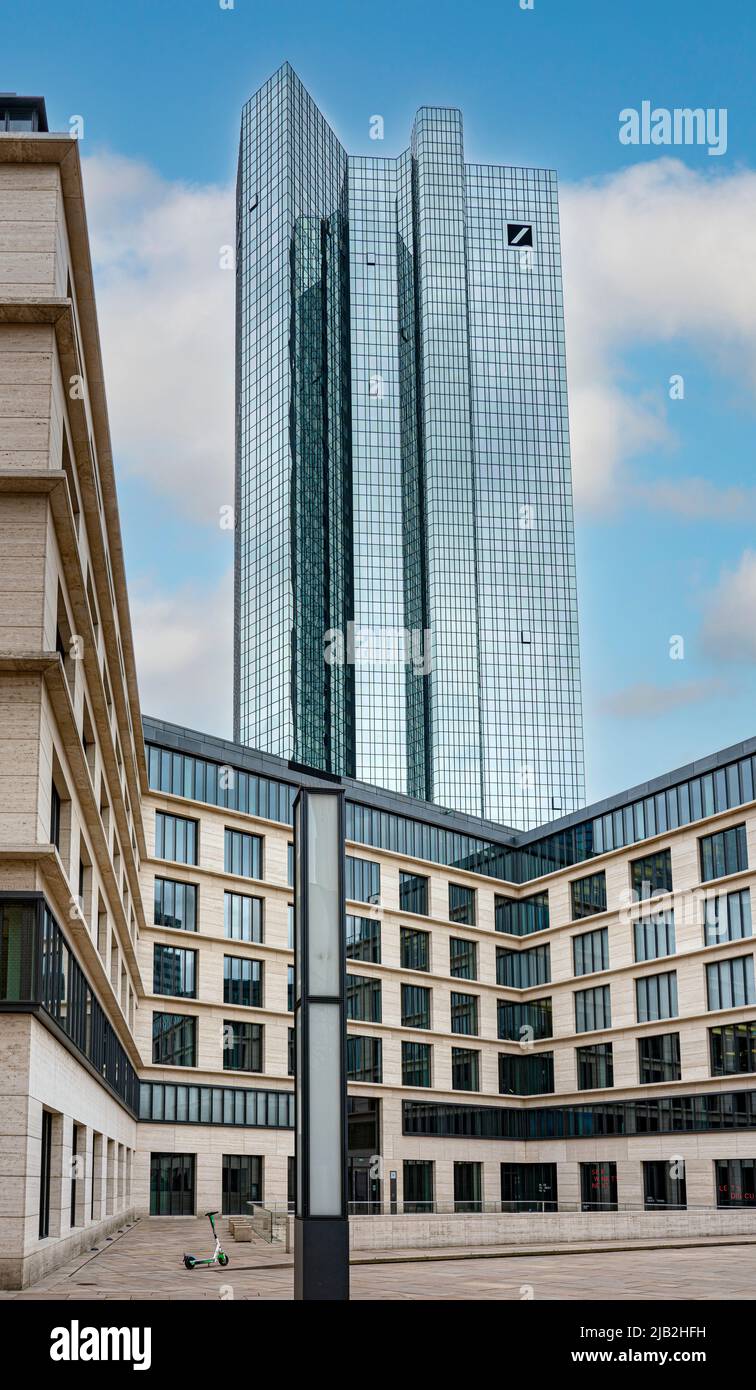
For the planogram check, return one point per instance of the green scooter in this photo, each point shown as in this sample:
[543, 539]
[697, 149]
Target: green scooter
[219, 1255]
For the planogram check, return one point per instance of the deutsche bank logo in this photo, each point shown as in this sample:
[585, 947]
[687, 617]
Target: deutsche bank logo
[519, 234]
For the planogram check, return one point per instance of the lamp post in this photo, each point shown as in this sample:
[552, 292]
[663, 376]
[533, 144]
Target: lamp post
[321, 1226]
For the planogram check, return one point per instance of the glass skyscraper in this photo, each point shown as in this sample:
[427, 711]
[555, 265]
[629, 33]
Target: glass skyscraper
[405, 607]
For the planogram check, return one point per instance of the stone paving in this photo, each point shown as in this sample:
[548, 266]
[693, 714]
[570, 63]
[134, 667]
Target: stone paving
[144, 1263]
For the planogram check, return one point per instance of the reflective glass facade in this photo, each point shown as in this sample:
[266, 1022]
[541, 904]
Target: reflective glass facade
[405, 582]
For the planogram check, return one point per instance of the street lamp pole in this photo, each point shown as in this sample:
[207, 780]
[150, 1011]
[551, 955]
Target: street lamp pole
[321, 1226]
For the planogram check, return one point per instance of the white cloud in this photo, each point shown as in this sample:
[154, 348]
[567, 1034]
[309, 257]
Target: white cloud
[654, 254]
[728, 630]
[166, 312]
[184, 654]
[649, 700]
[698, 499]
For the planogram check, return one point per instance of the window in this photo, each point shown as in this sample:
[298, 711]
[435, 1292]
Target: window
[656, 996]
[461, 904]
[413, 894]
[416, 1064]
[522, 916]
[416, 1006]
[465, 1067]
[593, 1009]
[55, 817]
[242, 1183]
[664, 1184]
[733, 1049]
[727, 917]
[174, 971]
[175, 904]
[363, 998]
[523, 969]
[736, 1182]
[175, 838]
[468, 1187]
[415, 948]
[729, 983]
[529, 1075]
[588, 895]
[652, 874]
[174, 1040]
[528, 1187]
[363, 938]
[363, 880]
[242, 1046]
[659, 1058]
[291, 1052]
[590, 952]
[723, 853]
[464, 1013]
[242, 917]
[290, 865]
[172, 1184]
[418, 1185]
[654, 936]
[463, 959]
[598, 1186]
[243, 981]
[45, 1174]
[527, 1022]
[290, 988]
[595, 1067]
[243, 854]
[364, 1060]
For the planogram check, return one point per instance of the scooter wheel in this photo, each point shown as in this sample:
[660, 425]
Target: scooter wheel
[189, 1261]
[222, 1257]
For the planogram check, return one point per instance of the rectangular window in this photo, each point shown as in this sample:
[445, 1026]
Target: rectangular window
[243, 981]
[415, 948]
[363, 880]
[523, 969]
[174, 971]
[733, 1049]
[413, 894]
[290, 988]
[595, 1067]
[593, 1009]
[736, 1182]
[54, 817]
[461, 904]
[598, 1186]
[529, 1187]
[175, 904]
[468, 1187]
[522, 916]
[243, 854]
[363, 998]
[242, 1046]
[416, 1006]
[464, 1013]
[174, 1040]
[529, 1021]
[291, 1052]
[723, 853]
[45, 1174]
[463, 959]
[418, 1185]
[529, 1075]
[175, 838]
[172, 1184]
[588, 895]
[590, 951]
[656, 996]
[363, 938]
[416, 1064]
[465, 1064]
[290, 865]
[728, 917]
[242, 1183]
[659, 1058]
[652, 874]
[730, 983]
[664, 1184]
[242, 917]
[654, 936]
[364, 1059]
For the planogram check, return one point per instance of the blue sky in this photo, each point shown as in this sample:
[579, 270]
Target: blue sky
[658, 281]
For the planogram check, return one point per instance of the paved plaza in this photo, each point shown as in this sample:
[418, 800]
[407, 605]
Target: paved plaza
[144, 1263]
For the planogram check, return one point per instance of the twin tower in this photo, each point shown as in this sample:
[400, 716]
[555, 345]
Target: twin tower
[405, 605]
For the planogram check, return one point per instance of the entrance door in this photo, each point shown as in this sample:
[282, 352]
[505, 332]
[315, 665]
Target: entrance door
[172, 1184]
[364, 1187]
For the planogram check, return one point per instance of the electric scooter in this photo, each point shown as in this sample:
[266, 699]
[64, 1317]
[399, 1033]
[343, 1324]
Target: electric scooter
[219, 1255]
